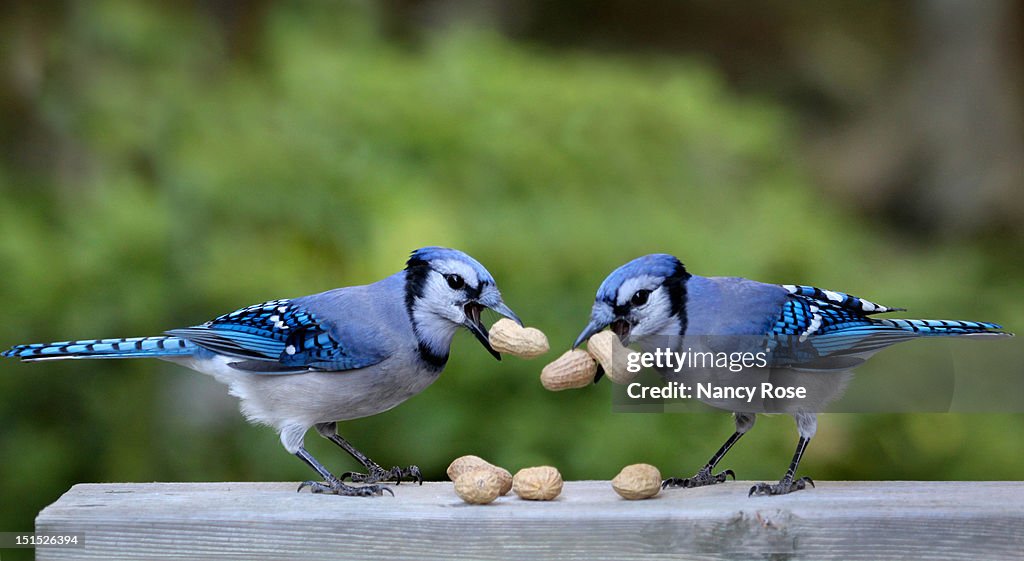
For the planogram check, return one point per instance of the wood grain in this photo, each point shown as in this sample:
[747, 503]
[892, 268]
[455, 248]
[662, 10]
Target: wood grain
[838, 520]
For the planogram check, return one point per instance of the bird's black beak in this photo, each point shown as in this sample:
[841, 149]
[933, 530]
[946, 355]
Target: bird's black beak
[476, 327]
[620, 326]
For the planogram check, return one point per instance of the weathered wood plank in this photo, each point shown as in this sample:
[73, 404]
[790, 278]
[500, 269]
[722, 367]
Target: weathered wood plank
[838, 520]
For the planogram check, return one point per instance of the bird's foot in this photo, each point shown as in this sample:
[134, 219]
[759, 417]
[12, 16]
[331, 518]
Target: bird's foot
[787, 485]
[699, 479]
[336, 487]
[378, 474]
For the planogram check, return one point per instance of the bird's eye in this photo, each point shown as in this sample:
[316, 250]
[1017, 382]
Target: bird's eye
[455, 281]
[640, 298]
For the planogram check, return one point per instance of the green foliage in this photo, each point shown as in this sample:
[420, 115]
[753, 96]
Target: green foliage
[206, 184]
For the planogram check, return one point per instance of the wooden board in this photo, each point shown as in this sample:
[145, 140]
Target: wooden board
[838, 520]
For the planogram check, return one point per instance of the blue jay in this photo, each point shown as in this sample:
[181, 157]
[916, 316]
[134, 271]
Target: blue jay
[342, 354]
[653, 299]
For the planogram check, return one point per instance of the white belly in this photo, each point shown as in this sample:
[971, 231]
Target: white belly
[281, 400]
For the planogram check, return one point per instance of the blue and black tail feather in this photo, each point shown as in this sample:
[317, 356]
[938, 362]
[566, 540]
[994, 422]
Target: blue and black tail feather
[817, 325]
[940, 327]
[134, 347]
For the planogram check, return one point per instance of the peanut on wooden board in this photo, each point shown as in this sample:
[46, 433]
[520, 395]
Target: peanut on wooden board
[507, 336]
[537, 483]
[464, 464]
[574, 369]
[637, 481]
[612, 356]
[478, 487]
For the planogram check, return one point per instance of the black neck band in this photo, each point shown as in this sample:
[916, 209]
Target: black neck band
[416, 273]
[676, 285]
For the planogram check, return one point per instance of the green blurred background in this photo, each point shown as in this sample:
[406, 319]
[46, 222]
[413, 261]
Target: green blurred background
[166, 162]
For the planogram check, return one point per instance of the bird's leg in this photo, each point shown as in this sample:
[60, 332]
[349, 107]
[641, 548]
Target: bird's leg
[332, 484]
[786, 484]
[704, 475]
[807, 426]
[374, 472]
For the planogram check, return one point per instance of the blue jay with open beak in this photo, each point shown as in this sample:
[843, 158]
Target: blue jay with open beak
[653, 299]
[342, 354]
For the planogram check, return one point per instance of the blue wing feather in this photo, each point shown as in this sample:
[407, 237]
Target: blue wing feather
[277, 337]
[839, 299]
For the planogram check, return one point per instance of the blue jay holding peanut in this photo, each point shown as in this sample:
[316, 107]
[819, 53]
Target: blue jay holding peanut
[338, 355]
[653, 299]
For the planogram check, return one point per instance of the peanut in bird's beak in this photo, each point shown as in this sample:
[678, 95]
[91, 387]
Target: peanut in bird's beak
[476, 327]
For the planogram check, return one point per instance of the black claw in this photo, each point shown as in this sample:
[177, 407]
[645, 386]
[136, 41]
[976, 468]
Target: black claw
[370, 490]
[372, 477]
[783, 487]
[339, 488]
[412, 472]
[801, 483]
[415, 474]
[376, 475]
[316, 487]
[700, 479]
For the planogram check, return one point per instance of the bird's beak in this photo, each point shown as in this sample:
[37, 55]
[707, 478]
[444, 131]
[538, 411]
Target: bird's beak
[501, 308]
[476, 327]
[593, 327]
[620, 326]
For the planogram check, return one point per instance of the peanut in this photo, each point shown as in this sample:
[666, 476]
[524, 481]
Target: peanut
[638, 481]
[574, 369]
[465, 464]
[612, 355]
[537, 483]
[478, 487]
[507, 336]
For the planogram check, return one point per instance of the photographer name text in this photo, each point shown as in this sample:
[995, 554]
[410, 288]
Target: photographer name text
[679, 390]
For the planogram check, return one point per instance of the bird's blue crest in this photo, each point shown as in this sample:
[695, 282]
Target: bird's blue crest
[432, 253]
[655, 264]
